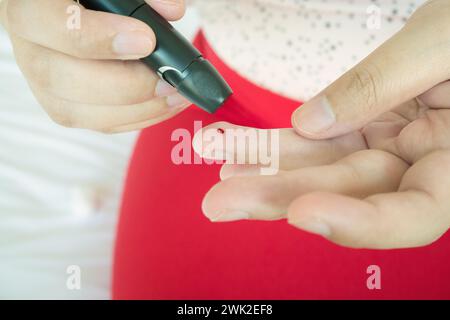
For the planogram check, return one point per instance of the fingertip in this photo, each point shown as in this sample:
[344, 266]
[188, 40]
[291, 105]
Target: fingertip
[133, 45]
[315, 118]
[197, 142]
[227, 171]
[297, 124]
[215, 208]
[210, 207]
[239, 170]
[226, 200]
[110, 36]
[172, 10]
[220, 125]
[206, 141]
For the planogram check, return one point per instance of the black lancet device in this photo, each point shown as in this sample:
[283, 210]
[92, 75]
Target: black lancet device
[175, 59]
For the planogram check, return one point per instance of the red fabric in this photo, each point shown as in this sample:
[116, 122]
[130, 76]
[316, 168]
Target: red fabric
[167, 249]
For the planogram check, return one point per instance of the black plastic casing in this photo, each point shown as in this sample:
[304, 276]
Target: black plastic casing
[175, 59]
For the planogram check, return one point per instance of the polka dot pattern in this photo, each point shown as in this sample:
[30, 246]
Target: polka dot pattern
[298, 47]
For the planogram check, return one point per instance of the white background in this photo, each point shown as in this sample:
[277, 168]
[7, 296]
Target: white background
[59, 193]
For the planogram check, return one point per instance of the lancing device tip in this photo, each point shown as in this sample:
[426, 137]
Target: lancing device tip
[175, 59]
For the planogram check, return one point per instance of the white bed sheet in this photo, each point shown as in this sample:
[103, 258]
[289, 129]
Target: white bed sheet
[59, 194]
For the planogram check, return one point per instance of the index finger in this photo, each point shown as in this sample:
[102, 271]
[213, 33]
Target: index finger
[245, 145]
[65, 26]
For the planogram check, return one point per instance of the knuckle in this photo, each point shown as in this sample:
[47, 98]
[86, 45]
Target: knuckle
[364, 83]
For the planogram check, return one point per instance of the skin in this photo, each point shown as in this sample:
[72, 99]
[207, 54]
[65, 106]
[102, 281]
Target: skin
[89, 77]
[367, 164]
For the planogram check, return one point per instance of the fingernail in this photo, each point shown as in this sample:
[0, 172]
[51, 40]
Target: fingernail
[176, 100]
[132, 44]
[163, 89]
[168, 3]
[312, 225]
[227, 172]
[315, 116]
[229, 215]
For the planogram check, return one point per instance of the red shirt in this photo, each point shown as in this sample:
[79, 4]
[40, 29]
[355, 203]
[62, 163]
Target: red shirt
[167, 249]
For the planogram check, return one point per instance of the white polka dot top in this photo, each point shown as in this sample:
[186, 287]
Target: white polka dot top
[297, 47]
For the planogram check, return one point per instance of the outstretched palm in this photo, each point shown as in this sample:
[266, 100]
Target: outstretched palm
[385, 186]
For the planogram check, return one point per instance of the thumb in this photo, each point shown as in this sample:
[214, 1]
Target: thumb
[411, 62]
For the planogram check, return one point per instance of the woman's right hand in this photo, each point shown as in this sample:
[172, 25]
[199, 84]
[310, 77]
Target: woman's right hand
[89, 77]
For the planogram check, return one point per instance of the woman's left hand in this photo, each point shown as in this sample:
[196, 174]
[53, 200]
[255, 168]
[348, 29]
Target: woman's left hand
[369, 164]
